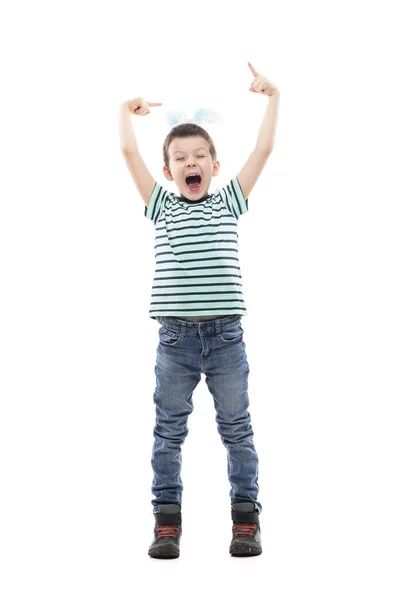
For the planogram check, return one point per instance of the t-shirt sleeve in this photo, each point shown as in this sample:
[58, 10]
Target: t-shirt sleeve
[158, 198]
[233, 197]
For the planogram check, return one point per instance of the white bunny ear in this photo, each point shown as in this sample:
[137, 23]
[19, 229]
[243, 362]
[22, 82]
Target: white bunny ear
[207, 115]
[174, 117]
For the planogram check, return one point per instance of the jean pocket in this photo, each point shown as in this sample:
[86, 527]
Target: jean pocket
[232, 333]
[167, 337]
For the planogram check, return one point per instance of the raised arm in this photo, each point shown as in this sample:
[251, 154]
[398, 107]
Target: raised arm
[141, 175]
[252, 169]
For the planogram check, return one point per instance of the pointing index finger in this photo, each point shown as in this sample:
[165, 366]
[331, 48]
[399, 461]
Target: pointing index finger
[253, 69]
[154, 103]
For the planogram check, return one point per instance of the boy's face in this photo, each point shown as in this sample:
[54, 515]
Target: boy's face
[187, 156]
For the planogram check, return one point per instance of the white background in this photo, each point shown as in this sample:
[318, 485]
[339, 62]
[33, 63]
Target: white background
[319, 251]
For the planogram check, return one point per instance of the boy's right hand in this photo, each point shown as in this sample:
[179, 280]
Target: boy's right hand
[139, 106]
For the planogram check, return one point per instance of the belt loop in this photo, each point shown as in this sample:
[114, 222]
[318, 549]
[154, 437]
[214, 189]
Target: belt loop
[183, 328]
[218, 326]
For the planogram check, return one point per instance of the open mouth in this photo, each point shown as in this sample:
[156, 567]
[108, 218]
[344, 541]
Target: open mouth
[193, 182]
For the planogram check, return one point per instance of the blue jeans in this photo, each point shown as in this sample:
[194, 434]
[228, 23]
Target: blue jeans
[185, 350]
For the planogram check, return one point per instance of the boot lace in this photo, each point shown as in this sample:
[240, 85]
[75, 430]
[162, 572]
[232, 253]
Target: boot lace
[244, 528]
[167, 530]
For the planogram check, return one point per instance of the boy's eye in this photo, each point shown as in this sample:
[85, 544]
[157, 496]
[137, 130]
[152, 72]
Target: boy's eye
[197, 157]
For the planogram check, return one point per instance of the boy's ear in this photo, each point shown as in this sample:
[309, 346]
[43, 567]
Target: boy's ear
[167, 173]
[216, 168]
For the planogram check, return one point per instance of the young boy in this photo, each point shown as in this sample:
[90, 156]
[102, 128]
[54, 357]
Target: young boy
[197, 298]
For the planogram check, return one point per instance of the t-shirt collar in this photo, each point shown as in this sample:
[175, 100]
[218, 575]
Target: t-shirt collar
[194, 201]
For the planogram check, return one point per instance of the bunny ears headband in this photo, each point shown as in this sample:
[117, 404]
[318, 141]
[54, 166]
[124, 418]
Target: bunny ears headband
[200, 115]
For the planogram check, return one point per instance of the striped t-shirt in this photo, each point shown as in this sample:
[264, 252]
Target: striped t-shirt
[196, 249]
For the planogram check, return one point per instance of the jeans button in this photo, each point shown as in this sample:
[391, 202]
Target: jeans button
[203, 327]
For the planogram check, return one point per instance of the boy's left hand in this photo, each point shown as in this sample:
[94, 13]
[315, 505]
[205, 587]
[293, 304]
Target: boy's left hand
[261, 85]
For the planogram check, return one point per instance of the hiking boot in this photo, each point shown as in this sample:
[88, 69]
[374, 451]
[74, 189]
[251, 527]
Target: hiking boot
[246, 540]
[167, 532]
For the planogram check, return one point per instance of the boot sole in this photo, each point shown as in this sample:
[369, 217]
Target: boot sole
[166, 551]
[244, 550]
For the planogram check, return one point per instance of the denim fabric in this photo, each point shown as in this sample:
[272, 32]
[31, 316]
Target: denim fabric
[185, 351]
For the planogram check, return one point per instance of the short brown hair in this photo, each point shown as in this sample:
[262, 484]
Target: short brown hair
[187, 130]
